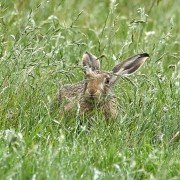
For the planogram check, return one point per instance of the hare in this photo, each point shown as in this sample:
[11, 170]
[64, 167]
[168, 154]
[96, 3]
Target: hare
[96, 91]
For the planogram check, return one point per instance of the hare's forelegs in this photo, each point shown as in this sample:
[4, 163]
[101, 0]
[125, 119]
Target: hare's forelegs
[111, 109]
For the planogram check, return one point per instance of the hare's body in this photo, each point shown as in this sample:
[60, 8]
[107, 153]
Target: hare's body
[95, 93]
[73, 97]
[108, 106]
[69, 96]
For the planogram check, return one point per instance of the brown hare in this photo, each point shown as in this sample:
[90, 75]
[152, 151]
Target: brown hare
[96, 91]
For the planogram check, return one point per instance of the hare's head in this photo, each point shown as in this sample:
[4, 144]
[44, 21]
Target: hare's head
[98, 84]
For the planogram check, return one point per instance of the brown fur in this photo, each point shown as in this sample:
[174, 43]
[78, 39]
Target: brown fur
[95, 92]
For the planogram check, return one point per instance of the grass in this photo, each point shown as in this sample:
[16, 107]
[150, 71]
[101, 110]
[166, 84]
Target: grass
[41, 45]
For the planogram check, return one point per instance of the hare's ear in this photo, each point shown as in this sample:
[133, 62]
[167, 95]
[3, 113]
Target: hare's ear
[128, 66]
[90, 61]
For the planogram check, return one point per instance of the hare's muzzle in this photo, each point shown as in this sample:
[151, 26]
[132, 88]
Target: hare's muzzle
[93, 93]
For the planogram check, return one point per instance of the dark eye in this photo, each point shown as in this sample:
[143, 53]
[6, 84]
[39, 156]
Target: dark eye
[107, 80]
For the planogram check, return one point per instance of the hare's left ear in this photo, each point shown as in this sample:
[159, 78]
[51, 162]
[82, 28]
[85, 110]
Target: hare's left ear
[128, 66]
[90, 62]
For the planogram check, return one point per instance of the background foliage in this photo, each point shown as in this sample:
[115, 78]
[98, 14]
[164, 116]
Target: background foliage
[41, 45]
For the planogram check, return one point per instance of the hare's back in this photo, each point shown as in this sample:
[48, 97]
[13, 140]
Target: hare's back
[71, 90]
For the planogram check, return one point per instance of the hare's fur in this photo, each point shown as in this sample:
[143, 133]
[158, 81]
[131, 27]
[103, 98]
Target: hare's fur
[96, 91]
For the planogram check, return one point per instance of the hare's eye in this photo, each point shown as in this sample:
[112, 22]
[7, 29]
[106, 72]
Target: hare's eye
[107, 80]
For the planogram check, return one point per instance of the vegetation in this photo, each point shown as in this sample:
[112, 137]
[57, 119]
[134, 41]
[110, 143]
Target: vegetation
[41, 45]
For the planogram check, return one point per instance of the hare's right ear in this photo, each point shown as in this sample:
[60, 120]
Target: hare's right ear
[128, 66]
[90, 62]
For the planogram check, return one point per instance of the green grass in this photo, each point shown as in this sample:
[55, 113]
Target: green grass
[41, 45]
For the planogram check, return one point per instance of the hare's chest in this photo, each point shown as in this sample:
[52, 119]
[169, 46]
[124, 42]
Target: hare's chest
[107, 109]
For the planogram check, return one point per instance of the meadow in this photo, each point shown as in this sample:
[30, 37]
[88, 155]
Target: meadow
[41, 46]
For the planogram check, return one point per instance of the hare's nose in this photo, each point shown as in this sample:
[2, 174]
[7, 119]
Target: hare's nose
[92, 91]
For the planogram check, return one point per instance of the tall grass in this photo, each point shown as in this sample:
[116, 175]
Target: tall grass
[41, 45]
